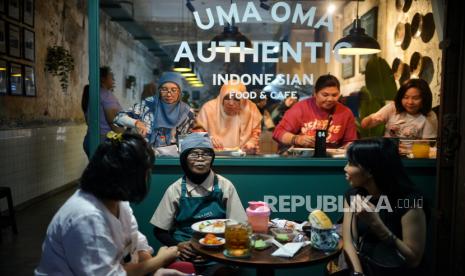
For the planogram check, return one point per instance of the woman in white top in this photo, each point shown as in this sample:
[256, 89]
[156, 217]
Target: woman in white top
[410, 115]
[95, 232]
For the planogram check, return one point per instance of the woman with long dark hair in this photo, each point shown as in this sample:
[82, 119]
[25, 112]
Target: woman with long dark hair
[384, 226]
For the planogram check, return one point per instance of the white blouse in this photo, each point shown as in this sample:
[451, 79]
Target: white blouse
[84, 238]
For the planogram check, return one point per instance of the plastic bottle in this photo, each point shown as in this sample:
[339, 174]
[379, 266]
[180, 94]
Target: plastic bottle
[258, 214]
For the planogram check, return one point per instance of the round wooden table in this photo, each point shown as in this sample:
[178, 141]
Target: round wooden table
[264, 263]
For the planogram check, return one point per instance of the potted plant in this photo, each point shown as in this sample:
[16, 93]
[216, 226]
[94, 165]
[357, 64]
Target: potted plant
[380, 87]
[59, 63]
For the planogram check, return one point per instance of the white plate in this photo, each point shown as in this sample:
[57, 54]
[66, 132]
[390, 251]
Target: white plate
[207, 226]
[222, 240]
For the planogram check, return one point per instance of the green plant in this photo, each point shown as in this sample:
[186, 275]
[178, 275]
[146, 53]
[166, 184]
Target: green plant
[59, 63]
[380, 87]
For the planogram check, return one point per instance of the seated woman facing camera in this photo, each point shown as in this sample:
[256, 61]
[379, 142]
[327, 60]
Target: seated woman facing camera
[95, 232]
[232, 122]
[384, 229]
[410, 115]
[161, 118]
[199, 195]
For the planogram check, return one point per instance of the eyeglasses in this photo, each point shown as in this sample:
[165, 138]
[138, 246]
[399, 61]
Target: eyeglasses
[165, 90]
[196, 155]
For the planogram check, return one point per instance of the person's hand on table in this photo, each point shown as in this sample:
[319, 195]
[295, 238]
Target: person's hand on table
[250, 148]
[141, 128]
[217, 144]
[305, 141]
[168, 254]
[187, 252]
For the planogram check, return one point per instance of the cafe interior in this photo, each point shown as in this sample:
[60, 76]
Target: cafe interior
[279, 98]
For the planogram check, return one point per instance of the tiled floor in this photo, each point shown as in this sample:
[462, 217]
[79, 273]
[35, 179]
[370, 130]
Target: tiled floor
[20, 254]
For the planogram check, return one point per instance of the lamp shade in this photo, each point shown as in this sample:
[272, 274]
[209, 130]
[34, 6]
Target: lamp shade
[231, 34]
[183, 65]
[362, 44]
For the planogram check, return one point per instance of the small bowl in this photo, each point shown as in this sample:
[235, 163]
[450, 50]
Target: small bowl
[266, 241]
[283, 235]
[221, 240]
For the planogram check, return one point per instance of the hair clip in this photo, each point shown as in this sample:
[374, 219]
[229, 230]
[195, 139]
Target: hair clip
[115, 136]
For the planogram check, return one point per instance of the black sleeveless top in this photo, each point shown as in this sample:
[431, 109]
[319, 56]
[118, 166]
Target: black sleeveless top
[391, 212]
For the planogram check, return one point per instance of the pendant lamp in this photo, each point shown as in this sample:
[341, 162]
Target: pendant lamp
[362, 44]
[231, 34]
[183, 65]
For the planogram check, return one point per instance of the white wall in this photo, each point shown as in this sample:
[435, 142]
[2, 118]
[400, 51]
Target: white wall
[37, 160]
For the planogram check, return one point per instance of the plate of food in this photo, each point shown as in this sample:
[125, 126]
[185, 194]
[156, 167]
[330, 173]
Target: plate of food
[213, 226]
[210, 240]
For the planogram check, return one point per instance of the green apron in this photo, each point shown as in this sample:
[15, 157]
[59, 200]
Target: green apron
[195, 209]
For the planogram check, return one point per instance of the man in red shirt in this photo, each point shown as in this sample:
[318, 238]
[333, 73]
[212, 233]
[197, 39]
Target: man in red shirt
[299, 124]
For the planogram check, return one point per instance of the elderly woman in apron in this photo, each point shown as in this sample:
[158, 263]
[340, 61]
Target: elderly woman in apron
[199, 195]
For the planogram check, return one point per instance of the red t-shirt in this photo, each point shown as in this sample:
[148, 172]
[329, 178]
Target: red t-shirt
[305, 117]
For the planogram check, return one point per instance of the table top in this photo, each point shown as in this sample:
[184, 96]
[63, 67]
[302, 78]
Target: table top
[304, 257]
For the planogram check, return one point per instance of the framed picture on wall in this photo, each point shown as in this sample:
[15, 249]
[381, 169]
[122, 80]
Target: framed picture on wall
[29, 49]
[3, 77]
[29, 81]
[28, 12]
[16, 79]
[14, 41]
[2, 6]
[348, 69]
[2, 36]
[13, 9]
[368, 21]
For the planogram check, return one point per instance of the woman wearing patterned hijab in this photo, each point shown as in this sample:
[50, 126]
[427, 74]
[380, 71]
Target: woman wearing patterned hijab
[163, 117]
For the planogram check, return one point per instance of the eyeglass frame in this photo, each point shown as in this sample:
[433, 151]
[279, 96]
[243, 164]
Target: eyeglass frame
[172, 91]
[204, 155]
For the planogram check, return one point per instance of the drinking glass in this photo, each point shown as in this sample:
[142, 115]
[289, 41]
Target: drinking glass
[237, 237]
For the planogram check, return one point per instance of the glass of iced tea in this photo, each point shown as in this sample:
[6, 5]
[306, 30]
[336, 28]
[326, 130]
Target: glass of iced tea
[420, 149]
[237, 237]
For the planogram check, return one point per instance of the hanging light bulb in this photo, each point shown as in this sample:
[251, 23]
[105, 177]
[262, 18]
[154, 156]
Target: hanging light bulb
[361, 43]
[331, 8]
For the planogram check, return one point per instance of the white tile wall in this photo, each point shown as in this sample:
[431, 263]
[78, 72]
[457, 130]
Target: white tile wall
[37, 160]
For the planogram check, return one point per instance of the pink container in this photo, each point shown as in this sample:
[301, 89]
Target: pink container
[258, 215]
